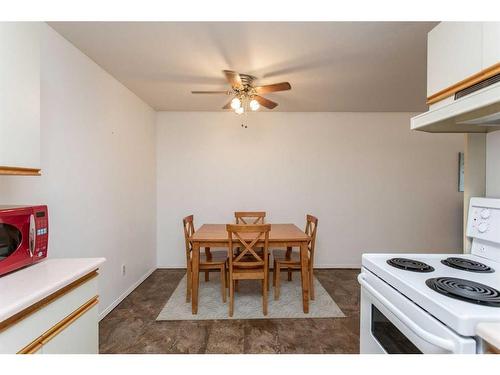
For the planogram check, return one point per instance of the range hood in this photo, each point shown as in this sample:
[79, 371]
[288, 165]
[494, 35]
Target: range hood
[475, 110]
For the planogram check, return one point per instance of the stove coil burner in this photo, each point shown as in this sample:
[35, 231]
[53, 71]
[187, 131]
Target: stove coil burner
[467, 265]
[465, 290]
[410, 265]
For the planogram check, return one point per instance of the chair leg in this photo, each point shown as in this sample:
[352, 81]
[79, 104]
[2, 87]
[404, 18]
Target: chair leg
[223, 282]
[188, 283]
[274, 273]
[226, 267]
[288, 255]
[267, 272]
[236, 286]
[311, 283]
[277, 286]
[207, 276]
[231, 297]
[264, 295]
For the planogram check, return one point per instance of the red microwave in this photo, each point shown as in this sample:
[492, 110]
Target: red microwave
[24, 234]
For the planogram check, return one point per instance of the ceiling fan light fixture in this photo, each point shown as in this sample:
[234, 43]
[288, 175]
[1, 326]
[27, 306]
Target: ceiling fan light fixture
[244, 95]
[235, 103]
[254, 105]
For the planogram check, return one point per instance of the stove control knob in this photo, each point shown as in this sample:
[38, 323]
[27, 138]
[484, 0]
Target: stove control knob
[483, 227]
[485, 213]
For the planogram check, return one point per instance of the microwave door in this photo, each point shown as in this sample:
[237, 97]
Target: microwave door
[10, 240]
[14, 251]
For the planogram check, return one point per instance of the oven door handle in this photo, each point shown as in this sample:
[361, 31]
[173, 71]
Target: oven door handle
[423, 334]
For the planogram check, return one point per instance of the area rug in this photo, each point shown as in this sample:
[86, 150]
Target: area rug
[248, 302]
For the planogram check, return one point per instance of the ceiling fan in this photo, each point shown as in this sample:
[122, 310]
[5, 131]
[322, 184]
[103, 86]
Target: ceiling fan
[246, 96]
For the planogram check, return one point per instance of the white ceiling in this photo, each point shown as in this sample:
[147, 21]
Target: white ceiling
[332, 66]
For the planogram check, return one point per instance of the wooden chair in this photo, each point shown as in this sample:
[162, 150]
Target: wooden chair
[210, 261]
[287, 260]
[248, 264]
[250, 217]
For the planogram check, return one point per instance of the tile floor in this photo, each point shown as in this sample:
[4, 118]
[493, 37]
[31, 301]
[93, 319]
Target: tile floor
[131, 327]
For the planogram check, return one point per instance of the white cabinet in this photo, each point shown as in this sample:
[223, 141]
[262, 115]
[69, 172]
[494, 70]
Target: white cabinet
[491, 44]
[454, 53]
[81, 336]
[20, 97]
[64, 322]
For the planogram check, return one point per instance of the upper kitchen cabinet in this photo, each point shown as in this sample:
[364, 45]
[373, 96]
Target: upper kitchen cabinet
[463, 79]
[454, 52]
[491, 44]
[20, 98]
[459, 55]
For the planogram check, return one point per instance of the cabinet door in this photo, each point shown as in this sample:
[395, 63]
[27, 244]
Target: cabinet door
[454, 52]
[80, 337]
[491, 44]
[20, 94]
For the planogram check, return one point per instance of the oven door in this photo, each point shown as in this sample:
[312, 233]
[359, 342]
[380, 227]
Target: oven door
[393, 324]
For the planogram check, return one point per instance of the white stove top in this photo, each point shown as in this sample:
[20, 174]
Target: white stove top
[459, 315]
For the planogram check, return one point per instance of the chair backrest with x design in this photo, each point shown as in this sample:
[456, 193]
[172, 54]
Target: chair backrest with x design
[246, 237]
[250, 217]
[188, 224]
[311, 227]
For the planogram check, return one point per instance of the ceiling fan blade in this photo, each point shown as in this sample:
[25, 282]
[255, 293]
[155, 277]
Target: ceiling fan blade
[211, 92]
[265, 102]
[234, 79]
[282, 86]
[228, 105]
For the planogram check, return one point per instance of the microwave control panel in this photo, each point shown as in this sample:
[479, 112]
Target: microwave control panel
[42, 234]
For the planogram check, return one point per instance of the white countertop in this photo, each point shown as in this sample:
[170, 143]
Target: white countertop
[490, 332]
[23, 288]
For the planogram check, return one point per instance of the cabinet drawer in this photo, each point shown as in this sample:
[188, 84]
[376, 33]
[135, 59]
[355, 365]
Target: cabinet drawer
[79, 336]
[31, 326]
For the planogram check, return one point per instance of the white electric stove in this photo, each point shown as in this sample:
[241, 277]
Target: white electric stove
[431, 303]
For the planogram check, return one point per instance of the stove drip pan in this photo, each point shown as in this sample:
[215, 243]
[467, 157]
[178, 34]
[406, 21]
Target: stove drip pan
[467, 265]
[410, 265]
[465, 290]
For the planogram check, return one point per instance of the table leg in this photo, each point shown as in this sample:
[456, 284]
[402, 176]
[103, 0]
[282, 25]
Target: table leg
[304, 274]
[195, 277]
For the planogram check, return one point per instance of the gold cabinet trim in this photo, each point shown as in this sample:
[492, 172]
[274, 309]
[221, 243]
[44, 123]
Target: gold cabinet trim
[19, 171]
[35, 345]
[472, 80]
[45, 301]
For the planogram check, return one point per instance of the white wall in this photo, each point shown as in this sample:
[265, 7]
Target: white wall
[98, 168]
[493, 165]
[375, 185]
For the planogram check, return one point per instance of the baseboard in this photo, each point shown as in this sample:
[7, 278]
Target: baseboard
[115, 303]
[337, 265]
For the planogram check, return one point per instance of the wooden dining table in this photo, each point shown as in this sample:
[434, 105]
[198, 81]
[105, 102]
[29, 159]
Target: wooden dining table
[280, 236]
